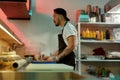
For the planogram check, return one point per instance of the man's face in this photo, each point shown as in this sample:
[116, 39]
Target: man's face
[56, 19]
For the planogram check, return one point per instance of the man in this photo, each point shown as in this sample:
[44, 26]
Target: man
[66, 39]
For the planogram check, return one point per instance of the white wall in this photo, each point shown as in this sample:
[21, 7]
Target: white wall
[40, 30]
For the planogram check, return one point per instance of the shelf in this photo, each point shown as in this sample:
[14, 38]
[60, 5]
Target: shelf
[93, 26]
[100, 23]
[84, 60]
[98, 41]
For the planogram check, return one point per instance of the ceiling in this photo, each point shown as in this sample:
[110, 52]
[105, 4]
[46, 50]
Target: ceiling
[16, 9]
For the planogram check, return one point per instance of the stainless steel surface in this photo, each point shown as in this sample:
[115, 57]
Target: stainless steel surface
[40, 76]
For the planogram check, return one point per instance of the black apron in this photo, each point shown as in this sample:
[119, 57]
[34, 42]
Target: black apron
[70, 58]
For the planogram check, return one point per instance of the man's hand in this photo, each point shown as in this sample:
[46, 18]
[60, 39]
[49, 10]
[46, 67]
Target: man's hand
[45, 57]
[52, 58]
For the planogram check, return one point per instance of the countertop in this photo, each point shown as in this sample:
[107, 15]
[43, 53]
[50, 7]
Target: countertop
[6, 75]
[42, 72]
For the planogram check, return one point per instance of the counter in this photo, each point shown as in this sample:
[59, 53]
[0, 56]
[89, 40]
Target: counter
[42, 72]
[39, 76]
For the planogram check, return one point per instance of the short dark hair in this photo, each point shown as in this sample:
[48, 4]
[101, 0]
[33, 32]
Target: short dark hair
[62, 11]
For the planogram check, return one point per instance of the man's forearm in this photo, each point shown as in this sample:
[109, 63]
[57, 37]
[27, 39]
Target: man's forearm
[65, 52]
[55, 53]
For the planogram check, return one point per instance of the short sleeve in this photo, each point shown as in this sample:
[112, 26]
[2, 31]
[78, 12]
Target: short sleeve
[68, 31]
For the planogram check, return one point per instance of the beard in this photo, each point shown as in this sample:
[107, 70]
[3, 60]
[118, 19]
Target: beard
[56, 23]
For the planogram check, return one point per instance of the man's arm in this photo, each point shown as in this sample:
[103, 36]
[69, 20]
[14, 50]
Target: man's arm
[55, 53]
[71, 45]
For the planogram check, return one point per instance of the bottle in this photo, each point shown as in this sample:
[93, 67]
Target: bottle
[107, 15]
[94, 34]
[95, 14]
[111, 35]
[97, 34]
[102, 15]
[88, 11]
[99, 15]
[101, 35]
[103, 72]
[90, 34]
[107, 34]
[87, 33]
[83, 34]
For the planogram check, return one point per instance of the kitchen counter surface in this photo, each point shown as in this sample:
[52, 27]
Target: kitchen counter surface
[42, 72]
[11, 75]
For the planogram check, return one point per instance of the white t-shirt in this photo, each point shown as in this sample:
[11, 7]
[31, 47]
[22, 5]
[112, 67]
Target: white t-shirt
[69, 30]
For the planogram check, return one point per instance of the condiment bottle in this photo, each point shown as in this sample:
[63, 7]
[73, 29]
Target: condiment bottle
[103, 72]
[83, 34]
[88, 11]
[101, 35]
[94, 34]
[87, 33]
[107, 34]
[97, 34]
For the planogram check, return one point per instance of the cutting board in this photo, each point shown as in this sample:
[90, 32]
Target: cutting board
[49, 67]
